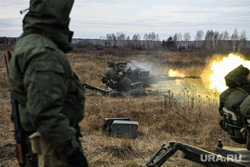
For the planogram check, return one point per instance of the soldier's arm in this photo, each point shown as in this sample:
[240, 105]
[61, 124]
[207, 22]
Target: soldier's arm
[114, 75]
[46, 87]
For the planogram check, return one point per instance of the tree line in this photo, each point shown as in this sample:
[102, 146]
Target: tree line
[148, 41]
[8, 40]
[214, 41]
[211, 41]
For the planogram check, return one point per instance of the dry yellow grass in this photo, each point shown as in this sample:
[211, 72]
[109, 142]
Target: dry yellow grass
[189, 117]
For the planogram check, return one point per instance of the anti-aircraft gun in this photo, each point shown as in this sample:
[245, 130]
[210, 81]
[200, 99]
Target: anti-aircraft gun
[140, 80]
[221, 157]
[143, 78]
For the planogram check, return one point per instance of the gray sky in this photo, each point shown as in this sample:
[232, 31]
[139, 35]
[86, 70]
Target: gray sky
[95, 18]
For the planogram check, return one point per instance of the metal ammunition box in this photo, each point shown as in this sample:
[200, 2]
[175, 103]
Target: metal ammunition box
[106, 127]
[121, 128]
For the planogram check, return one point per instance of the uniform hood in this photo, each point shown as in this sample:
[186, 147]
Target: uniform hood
[51, 19]
[238, 77]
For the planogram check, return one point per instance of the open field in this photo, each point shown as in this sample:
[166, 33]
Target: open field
[189, 114]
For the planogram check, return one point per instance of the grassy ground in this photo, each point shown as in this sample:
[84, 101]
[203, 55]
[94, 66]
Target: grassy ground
[188, 114]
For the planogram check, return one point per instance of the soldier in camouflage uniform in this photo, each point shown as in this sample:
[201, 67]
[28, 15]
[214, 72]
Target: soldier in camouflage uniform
[49, 94]
[115, 79]
[233, 116]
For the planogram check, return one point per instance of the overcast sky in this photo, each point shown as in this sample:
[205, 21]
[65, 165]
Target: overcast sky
[95, 18]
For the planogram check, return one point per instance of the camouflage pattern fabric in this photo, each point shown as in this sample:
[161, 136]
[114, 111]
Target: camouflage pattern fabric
[51, 19]
[245, 108]
[111, 78]
[232, 98]
[238, 77]
[50, 96]
[115, 81]
[111, 74]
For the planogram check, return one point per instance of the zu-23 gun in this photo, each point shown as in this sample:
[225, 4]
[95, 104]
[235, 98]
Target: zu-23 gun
[19, 137]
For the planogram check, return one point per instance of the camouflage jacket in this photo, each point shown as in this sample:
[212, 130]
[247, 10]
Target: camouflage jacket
[50, 96]
[245, 109]
[111, 77]
[232, 98]
[230, 102]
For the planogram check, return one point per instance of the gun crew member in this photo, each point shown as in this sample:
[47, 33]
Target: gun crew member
[234, 105]
[115, 79]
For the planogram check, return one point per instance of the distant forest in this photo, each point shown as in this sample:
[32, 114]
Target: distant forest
[213, 41]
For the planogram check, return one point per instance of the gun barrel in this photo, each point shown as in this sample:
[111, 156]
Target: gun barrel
[91, 87]
[193, 77]
[163, 77]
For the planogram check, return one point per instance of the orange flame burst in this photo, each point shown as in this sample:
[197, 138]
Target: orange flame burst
[175, 73]
[220, 68]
